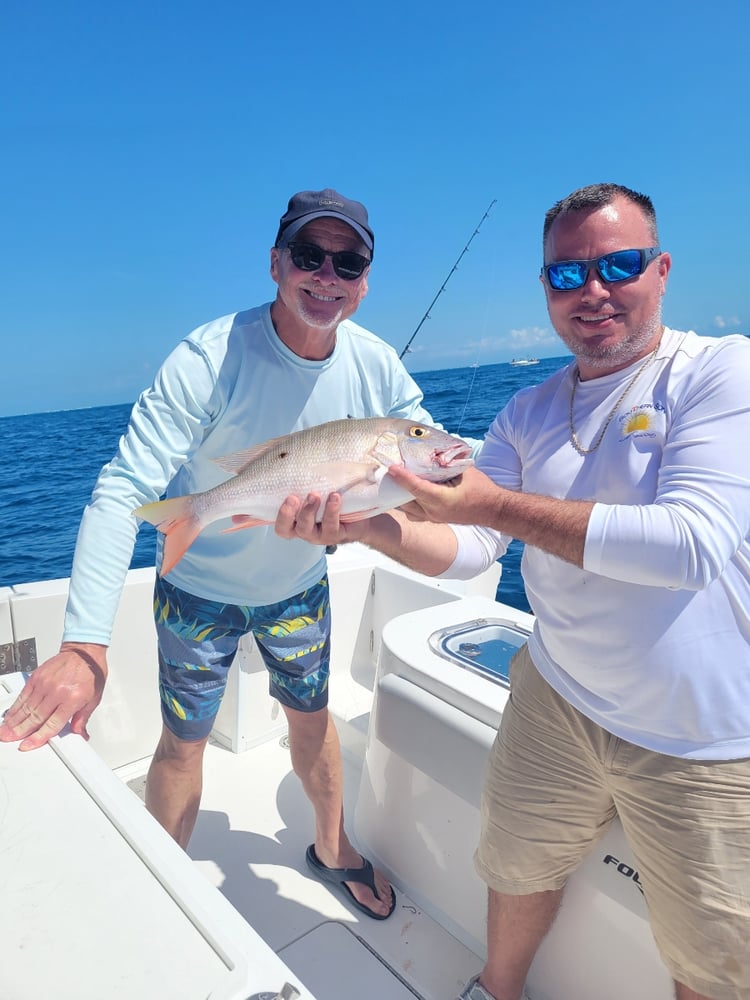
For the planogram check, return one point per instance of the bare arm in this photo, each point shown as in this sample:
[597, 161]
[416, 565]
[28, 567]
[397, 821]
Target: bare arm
[419, 535]
[555, 526]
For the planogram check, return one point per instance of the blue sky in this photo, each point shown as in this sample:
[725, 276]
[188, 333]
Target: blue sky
[148, 151]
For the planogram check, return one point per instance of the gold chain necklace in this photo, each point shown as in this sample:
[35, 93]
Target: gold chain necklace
[576, 378]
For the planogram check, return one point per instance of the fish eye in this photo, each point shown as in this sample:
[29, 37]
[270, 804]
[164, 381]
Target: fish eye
[418, 432]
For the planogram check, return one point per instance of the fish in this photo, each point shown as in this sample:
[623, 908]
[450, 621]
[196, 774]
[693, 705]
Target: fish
[349, 456]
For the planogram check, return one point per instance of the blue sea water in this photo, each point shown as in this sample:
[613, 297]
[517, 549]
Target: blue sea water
[49, 463]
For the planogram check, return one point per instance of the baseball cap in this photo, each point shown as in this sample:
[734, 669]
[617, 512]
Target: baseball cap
[327, 204]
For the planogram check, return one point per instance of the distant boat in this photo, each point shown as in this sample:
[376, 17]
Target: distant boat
[525, 361]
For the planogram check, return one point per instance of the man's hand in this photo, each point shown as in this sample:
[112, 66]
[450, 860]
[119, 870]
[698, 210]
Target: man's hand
[67, 686]
[297, 519]
[471, 498]
[427, 548]
[555, 526]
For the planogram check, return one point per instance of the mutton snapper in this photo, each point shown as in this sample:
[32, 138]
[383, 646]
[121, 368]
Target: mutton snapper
[350, 457]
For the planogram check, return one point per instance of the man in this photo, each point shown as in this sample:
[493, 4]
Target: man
[232, 383]
[627, 477]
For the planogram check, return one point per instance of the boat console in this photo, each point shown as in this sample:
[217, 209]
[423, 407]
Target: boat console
[441, 686]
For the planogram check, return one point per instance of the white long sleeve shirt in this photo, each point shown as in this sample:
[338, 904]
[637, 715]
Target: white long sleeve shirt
[651, 638]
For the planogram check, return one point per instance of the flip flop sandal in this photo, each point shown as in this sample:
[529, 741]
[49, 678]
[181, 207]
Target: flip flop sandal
[339, 876]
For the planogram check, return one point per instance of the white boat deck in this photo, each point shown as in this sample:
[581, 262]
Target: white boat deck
[250, 839]
[93, 872]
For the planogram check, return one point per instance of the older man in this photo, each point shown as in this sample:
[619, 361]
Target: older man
[237, 381]
[626, 475]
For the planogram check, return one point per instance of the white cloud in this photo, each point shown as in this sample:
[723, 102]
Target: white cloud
[533, 336]
[724, 321]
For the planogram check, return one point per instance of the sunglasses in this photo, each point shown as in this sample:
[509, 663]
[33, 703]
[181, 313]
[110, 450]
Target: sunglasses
[309, 257]
[566, 275]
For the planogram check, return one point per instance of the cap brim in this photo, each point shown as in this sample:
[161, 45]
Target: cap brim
[294, 227]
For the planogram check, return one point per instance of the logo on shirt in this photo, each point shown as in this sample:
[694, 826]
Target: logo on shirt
[645, 420]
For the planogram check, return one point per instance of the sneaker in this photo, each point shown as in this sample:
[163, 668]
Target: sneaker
[474, 991]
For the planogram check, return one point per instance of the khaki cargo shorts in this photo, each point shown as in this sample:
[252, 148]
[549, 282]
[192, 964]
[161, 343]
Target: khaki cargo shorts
[553, 785]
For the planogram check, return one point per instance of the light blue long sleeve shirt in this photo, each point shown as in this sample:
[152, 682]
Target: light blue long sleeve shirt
[229, 385]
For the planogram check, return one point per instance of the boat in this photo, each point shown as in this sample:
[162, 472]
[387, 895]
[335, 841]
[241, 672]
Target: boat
[99, 902]
[524, 361]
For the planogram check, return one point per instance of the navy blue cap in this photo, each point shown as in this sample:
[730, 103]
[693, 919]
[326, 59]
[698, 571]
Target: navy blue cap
[327, 204]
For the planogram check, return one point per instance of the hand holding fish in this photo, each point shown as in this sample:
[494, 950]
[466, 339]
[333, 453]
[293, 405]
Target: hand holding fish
[405, 534]
[470, 498]
[67, 686]
[318, 523]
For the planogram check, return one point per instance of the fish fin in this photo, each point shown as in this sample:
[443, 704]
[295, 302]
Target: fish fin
[238, 461]
[177, 521]
[386, 451]
[346, 475]
[241, 521]
[360, 515]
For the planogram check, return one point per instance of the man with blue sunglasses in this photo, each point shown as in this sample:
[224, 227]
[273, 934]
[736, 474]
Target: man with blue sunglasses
[627, 475]
[237, 381]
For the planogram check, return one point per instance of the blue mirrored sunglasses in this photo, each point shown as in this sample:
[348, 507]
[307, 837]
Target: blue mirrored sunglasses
[566, 275]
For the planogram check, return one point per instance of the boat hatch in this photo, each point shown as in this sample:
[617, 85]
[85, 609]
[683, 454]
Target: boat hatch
[485, 646]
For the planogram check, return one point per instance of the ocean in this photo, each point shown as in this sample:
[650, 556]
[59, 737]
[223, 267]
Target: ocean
[49, 463]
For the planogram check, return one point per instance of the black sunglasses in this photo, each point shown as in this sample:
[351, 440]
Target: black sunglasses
[566, 275]
[310, 257]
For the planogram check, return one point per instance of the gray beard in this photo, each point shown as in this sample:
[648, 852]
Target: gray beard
[623, 353]
[309, 318]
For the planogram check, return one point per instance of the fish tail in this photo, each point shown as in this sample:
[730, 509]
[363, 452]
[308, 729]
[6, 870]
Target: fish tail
[177, 520]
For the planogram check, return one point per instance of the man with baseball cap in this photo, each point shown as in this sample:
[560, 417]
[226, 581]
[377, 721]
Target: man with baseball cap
[308, 205]
[230, 384]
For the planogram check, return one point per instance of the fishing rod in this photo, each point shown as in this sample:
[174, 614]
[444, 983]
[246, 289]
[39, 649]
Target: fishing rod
[442, 287]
